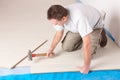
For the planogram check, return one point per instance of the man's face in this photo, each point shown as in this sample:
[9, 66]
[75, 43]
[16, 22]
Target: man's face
[59, 22]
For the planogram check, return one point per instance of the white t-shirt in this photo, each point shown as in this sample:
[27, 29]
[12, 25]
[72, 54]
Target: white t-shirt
[82, 19]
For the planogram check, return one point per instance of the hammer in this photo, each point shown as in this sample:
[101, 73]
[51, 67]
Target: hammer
[30, 55]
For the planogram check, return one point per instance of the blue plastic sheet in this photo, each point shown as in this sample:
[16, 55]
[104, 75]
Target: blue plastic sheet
[93, 75]
[79, 1]
[110, 35]
[17, 70]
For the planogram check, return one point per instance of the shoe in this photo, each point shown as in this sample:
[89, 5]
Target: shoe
[103, 39]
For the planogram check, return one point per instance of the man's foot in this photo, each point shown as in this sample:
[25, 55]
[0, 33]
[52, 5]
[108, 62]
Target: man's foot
[103, 39]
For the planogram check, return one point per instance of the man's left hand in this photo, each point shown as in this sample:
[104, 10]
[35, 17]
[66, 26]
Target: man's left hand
[83, 69]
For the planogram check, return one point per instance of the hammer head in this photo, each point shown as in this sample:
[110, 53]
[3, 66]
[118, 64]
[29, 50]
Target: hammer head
[30, 55]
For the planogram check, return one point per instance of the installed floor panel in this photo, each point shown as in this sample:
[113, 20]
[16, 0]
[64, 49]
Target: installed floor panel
[24, 26]
[105, 59]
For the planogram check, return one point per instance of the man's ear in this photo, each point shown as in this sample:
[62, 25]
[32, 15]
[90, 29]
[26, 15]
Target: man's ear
[64, 18]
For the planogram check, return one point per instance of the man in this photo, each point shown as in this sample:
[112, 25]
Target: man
[84, 25]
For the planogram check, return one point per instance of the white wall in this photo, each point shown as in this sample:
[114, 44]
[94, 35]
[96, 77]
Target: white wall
[23, 25]
[111, 7]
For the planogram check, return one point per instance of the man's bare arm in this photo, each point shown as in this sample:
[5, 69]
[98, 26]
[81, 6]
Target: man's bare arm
[57, 37]
[87, 54]
[87, 50]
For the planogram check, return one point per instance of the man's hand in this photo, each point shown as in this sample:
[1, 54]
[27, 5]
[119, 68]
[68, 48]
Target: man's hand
[56, 40]
[84, 69]
[50, 53]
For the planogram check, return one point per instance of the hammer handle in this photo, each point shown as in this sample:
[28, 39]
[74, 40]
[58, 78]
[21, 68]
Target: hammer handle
[27, 55]
[41, 54]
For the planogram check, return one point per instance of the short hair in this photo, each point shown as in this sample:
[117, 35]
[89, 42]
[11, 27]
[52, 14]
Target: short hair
[56, 12]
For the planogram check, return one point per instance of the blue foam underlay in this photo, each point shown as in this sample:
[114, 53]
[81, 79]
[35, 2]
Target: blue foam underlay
[79, 1]
[110, 35]
[93, 75]
[17, 70]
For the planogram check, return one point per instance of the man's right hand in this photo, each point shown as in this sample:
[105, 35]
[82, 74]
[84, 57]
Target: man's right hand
[50, 53]
[56, 40]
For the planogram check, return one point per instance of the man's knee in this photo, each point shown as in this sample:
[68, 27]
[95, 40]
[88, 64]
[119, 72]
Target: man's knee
[71, 41]
[67, 48]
